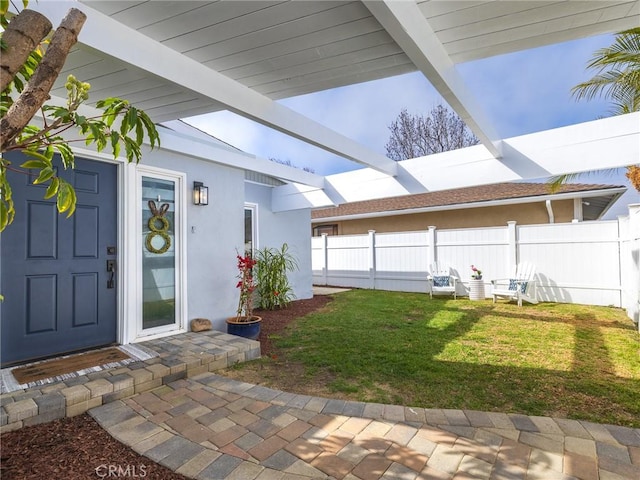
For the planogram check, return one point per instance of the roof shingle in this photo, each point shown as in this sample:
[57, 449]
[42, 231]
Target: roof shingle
[458, 196]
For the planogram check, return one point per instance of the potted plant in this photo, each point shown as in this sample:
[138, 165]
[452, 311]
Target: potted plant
[245, 323]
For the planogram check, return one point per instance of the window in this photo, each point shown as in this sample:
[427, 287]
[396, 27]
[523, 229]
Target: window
[331, 229]
[250, 229]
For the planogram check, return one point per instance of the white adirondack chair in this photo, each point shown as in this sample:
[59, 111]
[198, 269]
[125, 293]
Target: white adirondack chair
[442, 281]
[521, 286]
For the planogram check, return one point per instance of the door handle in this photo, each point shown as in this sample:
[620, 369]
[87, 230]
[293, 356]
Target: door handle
[111, 268]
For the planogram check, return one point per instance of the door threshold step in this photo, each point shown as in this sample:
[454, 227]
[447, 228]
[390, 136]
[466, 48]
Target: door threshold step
[177, 357]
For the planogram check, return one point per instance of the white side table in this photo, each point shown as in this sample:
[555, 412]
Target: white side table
[476, 289]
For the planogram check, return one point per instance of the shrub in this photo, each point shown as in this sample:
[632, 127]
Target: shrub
[271, 276]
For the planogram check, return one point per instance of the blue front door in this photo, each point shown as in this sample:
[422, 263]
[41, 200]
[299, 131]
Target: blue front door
[59, 293]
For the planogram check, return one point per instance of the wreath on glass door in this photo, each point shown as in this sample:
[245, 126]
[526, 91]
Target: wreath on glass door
[159, 226]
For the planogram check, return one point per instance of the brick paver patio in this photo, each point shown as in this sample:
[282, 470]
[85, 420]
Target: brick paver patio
[176, 411]
[213, 427]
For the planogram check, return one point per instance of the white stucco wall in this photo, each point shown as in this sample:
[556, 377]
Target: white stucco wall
[214, 233]
[291, 227]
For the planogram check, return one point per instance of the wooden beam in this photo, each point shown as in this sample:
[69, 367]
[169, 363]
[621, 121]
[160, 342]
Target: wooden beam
[410, 29]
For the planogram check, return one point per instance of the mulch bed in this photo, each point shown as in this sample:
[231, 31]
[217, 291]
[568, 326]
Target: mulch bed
[275, 321]
[77, 448]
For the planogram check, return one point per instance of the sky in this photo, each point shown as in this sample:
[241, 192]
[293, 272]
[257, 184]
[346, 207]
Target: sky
[520, 93]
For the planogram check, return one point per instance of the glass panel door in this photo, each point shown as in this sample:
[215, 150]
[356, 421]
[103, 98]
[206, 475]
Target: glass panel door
[158, 253]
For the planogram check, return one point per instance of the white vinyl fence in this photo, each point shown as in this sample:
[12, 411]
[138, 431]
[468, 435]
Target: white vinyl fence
[592, 263]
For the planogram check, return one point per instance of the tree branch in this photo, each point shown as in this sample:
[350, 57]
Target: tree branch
[23, 34]
[37, 90]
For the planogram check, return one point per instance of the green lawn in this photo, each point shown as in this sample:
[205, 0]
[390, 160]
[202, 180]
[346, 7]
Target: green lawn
[550, 359]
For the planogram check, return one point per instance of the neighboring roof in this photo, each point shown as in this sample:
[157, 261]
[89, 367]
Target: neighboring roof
[505, 193]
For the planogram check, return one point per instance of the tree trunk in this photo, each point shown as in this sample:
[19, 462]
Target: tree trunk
[22, 36]
[37, 90]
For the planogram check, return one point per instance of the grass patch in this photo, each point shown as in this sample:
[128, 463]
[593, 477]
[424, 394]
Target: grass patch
[562, 360]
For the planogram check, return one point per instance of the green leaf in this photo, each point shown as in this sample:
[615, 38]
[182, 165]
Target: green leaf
[152, 133]
[53, 188]
[4, 216]
[124, 126]
[68, 159]
[17, 81]
[115, 143]
[130, 119]
[6, 200]
[112, 110]
[45, 175]
[46, 159]
[139, 133]
[39, 164]
[66, 198]
[132, 149]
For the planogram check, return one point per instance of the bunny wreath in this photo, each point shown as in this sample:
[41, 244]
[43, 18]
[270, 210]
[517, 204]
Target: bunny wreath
[158, 229]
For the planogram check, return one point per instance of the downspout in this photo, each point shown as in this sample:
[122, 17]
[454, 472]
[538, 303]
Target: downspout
[550, 211]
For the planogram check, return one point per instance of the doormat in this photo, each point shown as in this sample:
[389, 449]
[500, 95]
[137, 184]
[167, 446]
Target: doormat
[71, 366]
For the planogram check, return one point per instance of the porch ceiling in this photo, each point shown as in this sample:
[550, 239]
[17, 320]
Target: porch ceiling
[177, 59]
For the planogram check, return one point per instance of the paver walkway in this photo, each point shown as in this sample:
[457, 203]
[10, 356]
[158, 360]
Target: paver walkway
[213, 427]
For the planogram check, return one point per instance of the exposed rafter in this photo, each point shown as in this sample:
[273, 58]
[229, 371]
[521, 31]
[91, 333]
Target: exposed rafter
[411, 30]
[606, 143]
[113, 38]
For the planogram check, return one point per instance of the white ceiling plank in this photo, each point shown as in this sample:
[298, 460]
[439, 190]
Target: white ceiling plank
[517, 35]
[332, 75]
[324, 66]
[410, 30]
[140, 15]
[259, 20]
[310, 30]
[536, 20]
[469, 52]
[279, 59]
[113, 38]
[314, 85]
[113, 7]
[209, 15]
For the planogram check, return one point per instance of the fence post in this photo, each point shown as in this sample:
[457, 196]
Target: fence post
[372, 259]
[325, 262]
[431, 247]
[512, 248]
[632, 279]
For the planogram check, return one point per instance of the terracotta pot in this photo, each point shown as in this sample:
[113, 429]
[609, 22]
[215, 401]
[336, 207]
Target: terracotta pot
[247, 329]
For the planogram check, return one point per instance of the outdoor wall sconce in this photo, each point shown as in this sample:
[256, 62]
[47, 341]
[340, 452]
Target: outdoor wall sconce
[200, 194]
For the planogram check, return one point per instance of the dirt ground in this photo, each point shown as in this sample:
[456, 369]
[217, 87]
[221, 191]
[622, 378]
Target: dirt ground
[78, 448]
